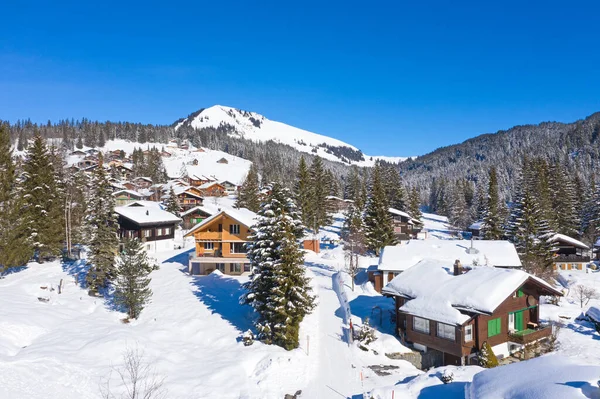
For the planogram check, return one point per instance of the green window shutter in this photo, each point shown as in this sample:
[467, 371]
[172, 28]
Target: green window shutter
[520, 294]
[494, 327]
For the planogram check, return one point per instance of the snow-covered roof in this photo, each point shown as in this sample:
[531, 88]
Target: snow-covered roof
[150, 204]
[242, 215]
[551, 376]
[130, 192]
[209, 184]
[476, 226]
[210, 209]
[593, 313]
[394, 211]
[567, 240]
[435, 293]
[488, 253]
[145, 215]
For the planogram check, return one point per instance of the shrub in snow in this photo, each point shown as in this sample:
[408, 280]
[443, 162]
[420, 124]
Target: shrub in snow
[366, 334]
[487, 358]
[248, 338]
[447, 377]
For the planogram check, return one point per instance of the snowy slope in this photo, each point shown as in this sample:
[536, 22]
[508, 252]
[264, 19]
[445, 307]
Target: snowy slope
[256, 127]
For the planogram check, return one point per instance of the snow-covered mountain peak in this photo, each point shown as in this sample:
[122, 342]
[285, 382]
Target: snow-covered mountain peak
[256, 127]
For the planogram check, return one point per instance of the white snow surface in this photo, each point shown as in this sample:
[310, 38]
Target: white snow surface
[408, 253]
[437, 292]
[542, 378]
[300, 139]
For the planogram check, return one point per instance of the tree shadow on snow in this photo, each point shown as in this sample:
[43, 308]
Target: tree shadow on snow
[221, 294]
[378, 309]
[12, 270]
[585, 328]
[452, 390]
[79, 270]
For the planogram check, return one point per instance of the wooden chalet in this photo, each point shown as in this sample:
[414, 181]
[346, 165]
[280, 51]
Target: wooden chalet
[78, 153]
[220, 242]
[397, 259]
[571, 253]
[448, 312]
[125, 197]
[213, 189]
[337, 204]
[196, 181]
[405, 226]
[142, 182]
[195, 215]
[124, 170]
[188, 196]
[230, 188]
[152, 225]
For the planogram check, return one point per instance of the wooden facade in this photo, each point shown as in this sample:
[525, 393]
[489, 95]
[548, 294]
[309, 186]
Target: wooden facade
[213, 190]
[571, 254]
[515, 322]
[220, 246]
[193, 217]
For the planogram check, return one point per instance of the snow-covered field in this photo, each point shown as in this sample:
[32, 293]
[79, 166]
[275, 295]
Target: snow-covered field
[190, 333]
[438, 227]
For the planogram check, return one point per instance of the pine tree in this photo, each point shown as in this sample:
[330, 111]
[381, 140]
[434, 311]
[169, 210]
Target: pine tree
[278, 289]
[172, 204]
[42, 206]
[414, 204]
[249, 194]
[492, 221]
[459, 212]
[487, 358]
[379, 228]
[319, 191]
[133, 270]
[394, 189]
[14, 245]
[102, 232]
[79, 144]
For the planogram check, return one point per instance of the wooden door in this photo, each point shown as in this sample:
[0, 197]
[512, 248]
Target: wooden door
[519, 321]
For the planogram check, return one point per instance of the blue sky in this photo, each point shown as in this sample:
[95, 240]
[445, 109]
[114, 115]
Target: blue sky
[391, 77]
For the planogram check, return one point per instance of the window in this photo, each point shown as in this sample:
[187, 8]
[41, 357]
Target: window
[220, 230]
[421, 325]
[234, 229]
[147, 233]
[494, 327]
[167, 231]
[237, 248]
[159, 232]
[246, 267]
[221, 267]
[236, 267]
[209, 246]
[446, 331]
[469, 333]
[520, 293]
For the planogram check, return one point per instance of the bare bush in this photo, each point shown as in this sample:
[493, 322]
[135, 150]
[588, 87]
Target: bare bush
[584, 294]
[138, 378]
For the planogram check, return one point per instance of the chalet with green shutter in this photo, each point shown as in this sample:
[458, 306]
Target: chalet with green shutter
[450, 312]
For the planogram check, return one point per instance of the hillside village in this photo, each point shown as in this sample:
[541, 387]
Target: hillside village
[393, 301]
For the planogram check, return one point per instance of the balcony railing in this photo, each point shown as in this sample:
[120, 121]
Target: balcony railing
[530, 335]
[572, 258]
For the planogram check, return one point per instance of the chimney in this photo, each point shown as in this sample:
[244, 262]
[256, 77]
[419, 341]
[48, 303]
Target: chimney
[147, 212]
[458, 270]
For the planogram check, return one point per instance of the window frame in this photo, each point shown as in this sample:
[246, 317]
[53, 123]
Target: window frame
[234, 229]
[236, 267]
[232, 248]
[445, 328]
[469, 333]
[210, 244]
[417, 329]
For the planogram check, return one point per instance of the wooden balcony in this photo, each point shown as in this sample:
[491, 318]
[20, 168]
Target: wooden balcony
[209, 236]
[529, 335]
[572, 258]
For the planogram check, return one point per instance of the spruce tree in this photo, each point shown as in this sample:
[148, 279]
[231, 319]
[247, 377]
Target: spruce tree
[79, 144]
[14, 244]
[394, 189]
[102, 232]
[379, 228]
[414, 204]
[303, 191]
[319, 191]
[459, 212]
[278, 289]
[172, 204]
[249, 194]
[492, 220]
[132, 281]
[42, 205]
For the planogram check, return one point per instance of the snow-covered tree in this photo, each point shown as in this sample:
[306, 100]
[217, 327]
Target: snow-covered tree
[319, 190]
[492, 219]
[172, 205]
[42, 206]
[394, 189]
[379, 228]
[133, 270]
[14, 245]
[249, 194]
[101, 224]
[278, 289]
[414, 204]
